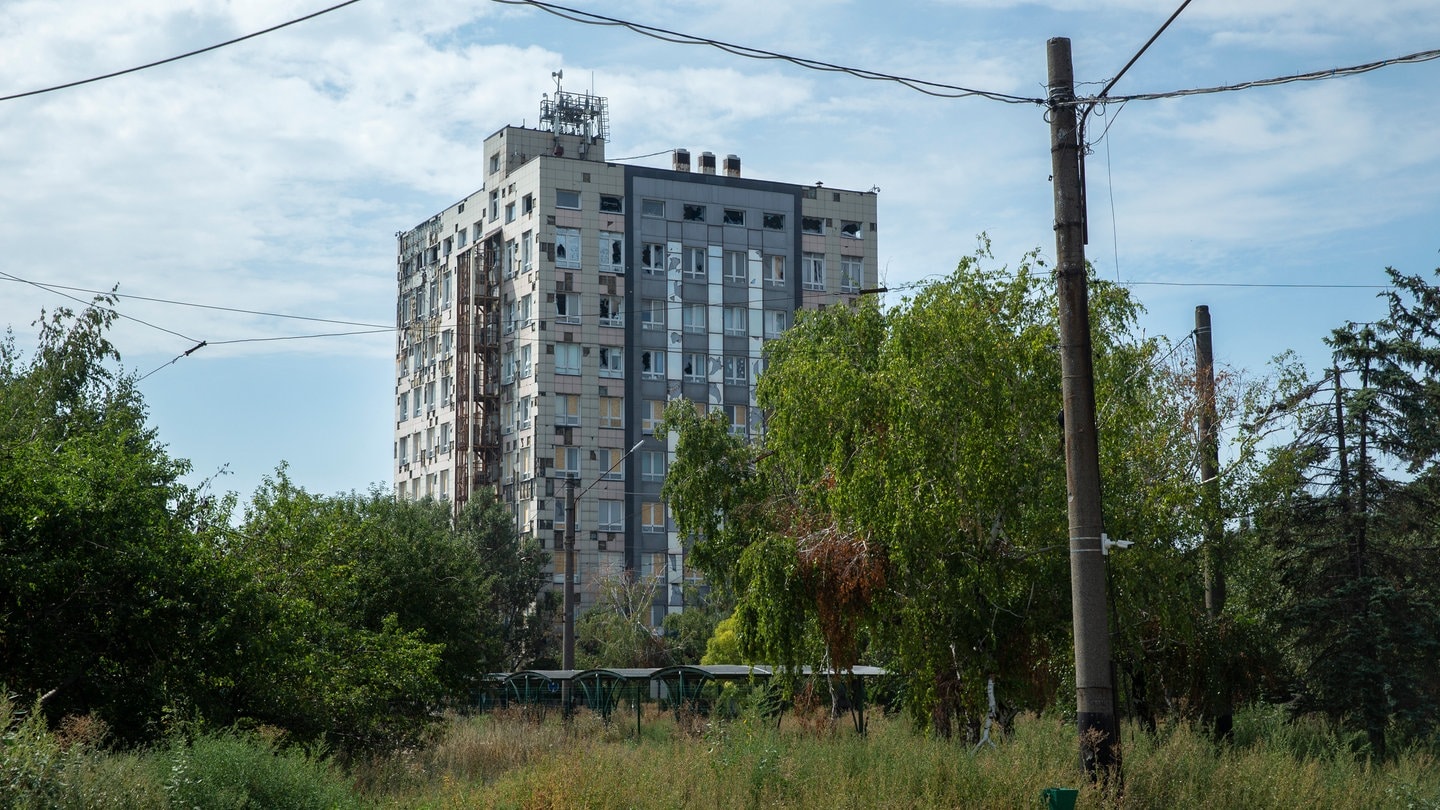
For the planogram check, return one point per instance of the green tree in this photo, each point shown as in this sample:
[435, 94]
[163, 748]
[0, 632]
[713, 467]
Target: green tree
[1352, 534]
[103, 585]
[377, 608]
[907, 504]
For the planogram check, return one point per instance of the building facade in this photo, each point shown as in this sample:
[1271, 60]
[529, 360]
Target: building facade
[546, 320]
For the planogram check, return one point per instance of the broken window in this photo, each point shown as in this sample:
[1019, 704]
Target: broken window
[612, 252]
[693, 367]
[652, 364]
[775, 222]
[567, 308]
[612, 312]
[775, 270]
[610, 204]
[694, 213]
[734, 216]
[612, 361]
[812, 271]
[567, 247]
[736, 370]
[849, 230]
[695, 262]
[527, 204]
[812, 225]
[652, 258]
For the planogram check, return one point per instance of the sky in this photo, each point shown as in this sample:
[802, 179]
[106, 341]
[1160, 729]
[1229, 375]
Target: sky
[272, 175]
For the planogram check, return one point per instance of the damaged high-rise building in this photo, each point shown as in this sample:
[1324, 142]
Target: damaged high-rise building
[546, 319]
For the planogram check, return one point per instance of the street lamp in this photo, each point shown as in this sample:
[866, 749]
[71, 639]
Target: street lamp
[567, 638]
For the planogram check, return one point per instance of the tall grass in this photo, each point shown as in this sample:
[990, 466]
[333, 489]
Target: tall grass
[509, 759]
[501, 761]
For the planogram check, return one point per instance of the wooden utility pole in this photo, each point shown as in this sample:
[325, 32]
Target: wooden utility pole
[1220, 709]
[1094, 689]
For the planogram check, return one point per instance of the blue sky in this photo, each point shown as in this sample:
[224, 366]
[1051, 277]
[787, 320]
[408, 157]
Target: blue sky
[273, 175]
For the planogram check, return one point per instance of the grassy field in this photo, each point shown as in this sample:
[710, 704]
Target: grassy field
[507, 760]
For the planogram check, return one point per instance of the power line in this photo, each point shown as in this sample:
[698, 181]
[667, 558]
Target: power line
[1256, 284]
[50, 289]
[938, 89]
[167, 61]
[1313, 76]
[202, 306]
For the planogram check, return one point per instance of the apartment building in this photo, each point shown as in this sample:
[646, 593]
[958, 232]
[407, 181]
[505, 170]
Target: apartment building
[546, 320]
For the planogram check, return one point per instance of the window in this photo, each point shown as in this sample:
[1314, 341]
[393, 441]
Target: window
[445, 290]
[416, 412]
[736, 370]
[507, 417]
[430, 396]
[567, 358]
[445, 437]
[612, 311]
[461, 234]
[693, 367]
[652, 259]
[610, 467]
[610, 204]
[522, 412]
[693, 318]
[812, 271]
[611, 516]
[494, 164]
[652, 465]
[652, 364]
[612, 252]
[612, 361]
[612, 412]
[652, 517]
[567, 247]
[527, 310]
[737, 414]
[444, 485]
[567, 410]
[734, 265]
[849, 230]
[652, 415]
[507, 370]
[512, 258]
[775, 271]
[812, 225]
[509, 317]
[494, 204]
[567, 462]
[774, 222]
[693, 213]
[527, 204]
[733, 216]
[527, 253]
[567, 308]
[851, 271]
[404, 443]
[404, 405]
[400, 488]
[695, 262]
[567, 199]
[510, 212]
[736, 321]
[652, 314]
[652, 208]
[445, 392]
[774, 322]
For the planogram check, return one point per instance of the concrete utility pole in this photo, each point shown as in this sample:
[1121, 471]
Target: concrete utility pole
[1094, 689]
[1221, 711]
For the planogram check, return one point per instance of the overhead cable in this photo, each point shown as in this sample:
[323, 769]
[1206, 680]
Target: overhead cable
[168, 60]
[51, 289]
[203, 306]
[666, 35]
